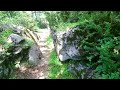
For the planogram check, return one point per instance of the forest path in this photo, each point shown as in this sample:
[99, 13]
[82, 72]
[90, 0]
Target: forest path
[41, 70]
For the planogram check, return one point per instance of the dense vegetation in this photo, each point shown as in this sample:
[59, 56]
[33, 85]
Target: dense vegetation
[8, 60]
[100, 31]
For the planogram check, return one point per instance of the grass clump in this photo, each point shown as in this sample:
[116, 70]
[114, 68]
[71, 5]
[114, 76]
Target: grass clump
[58, 70]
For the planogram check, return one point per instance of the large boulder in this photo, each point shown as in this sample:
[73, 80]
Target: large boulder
[67, 44]
[14, 38]
[35, 55]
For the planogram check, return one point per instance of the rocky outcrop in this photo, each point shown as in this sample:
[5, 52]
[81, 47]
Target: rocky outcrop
[67, 44]
[81, 71]
[35, 55]
[17, 48]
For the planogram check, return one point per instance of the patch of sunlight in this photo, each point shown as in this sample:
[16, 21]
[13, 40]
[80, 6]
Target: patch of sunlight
[1, 48]
[9, 40]
[22, 69]
[61, 72]
[17, 64]
[116, 51]
[49, 40]
[57, 62]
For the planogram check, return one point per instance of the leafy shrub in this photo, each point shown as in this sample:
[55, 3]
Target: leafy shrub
[7, 58]
[100, 38]
[102, 42]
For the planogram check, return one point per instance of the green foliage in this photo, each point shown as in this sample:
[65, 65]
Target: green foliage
[100, 42]
[41, 25]
[100, 38]
[25, 20]
[53, 18]
[3, 42]
[8, 58]
[21, 18]
[49, 40]
[57, 70]
[60, 20]
[27, 43]
[4, 35]
[63, 26]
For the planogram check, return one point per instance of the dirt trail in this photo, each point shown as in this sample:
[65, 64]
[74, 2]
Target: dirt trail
[41, 70]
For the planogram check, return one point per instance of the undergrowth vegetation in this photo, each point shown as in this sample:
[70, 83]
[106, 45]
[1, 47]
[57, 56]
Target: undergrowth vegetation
[101, 38]
[49, 40]
[9, 61]
[100, 32]
[58, 70]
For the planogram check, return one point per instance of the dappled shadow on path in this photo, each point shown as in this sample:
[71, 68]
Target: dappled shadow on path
[41, 70]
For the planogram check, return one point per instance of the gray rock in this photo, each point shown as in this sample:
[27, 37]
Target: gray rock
[67, 44]
[35, 55]
[4, 27]
[81, 71]
[16, 39]
[15, 28]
